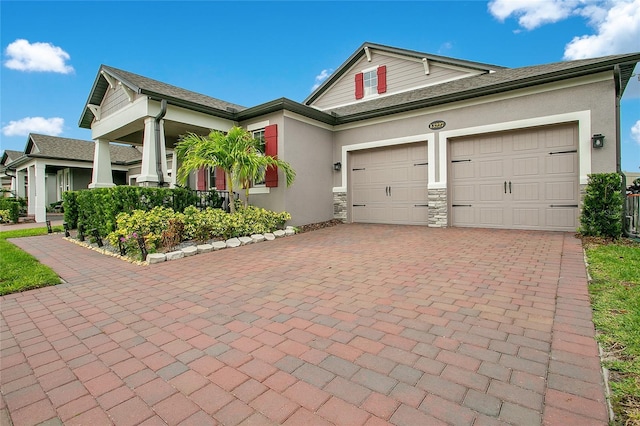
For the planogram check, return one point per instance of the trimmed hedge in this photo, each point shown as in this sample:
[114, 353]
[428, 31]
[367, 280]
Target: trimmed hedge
[99, 208]
[602, 206]
[12, 205]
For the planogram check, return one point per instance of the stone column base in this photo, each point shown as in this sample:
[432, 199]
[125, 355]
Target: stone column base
[340, 206]
[437, 208]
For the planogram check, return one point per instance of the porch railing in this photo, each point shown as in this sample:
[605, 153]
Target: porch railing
[632, 215]
[213, 198]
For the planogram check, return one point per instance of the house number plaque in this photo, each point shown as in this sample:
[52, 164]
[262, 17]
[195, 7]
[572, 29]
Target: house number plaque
[437, 125]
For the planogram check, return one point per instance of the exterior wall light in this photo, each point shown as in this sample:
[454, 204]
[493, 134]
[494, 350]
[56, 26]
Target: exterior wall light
[337, 166]
[597, 140]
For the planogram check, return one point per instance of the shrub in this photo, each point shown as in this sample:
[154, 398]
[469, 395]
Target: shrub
[602, 206]
[12, 205]
[148, 225]
[5, 216]
[162, 227]
[70, 207]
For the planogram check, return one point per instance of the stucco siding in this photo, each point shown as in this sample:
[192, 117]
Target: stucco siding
[308, 149]
[596, 97]
[402, 75]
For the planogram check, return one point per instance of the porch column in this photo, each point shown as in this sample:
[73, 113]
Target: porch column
[19, 183]
[150, 155]
[40, 193]
[31, 190]
[102, 176]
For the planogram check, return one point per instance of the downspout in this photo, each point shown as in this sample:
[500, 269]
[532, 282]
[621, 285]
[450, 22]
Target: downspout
[160, 116]
[617, 77]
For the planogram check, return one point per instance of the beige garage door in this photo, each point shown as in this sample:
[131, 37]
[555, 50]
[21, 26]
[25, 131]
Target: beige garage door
[519, 180]
[389, 185]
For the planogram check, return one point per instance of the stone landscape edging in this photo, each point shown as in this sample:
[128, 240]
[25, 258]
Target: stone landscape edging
[153, 258]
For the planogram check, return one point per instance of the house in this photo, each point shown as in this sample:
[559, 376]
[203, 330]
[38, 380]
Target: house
[5, 175]
[50, 165]
[396, 136]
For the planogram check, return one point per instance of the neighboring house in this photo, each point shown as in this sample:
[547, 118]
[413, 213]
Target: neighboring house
[5, 175]
[396, 136]
[52, 165]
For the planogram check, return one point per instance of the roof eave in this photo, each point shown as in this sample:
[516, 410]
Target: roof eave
[474, 93]
[285, 104]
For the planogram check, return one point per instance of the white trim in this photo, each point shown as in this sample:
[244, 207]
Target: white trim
[425, 137]
[306, 120]
[257, 126]
[584, 137]
[259, 190]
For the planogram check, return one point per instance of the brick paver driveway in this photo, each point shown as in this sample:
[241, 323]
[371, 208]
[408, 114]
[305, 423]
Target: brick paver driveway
[356, 324]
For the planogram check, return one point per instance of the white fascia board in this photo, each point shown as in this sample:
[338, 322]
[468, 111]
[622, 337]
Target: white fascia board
[307, 120]
[136, 110]
[257, 126]
[584, 137]
[195, 118]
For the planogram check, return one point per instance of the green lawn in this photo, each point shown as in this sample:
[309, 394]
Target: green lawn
[19, 271]
[615, 296]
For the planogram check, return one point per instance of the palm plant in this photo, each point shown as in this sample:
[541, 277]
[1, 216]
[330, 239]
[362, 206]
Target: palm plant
[236, 152]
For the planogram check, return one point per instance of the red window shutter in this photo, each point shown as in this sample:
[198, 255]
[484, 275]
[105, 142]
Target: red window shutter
[201, 179]
[271, 149]
[382, 79]
[359, 86]
[221, 183]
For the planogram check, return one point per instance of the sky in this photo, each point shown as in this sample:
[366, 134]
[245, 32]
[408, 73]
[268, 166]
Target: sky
[249, 53]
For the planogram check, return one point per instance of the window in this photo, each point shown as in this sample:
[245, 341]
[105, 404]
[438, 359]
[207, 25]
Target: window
[212, 178]
[370, 82]
[259, 135]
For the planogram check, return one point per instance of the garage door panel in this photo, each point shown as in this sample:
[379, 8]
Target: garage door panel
[419, 173]
[525, 191]
[526, 217]
[399, 174]
[526, 166]
[462, 171]
[562, 218]
[491, 168]
[564, 191]
[491, 216]
[557, 164]
[463, 194]
[463, 215]
[525, 142]
[490, 192]
[492, 145]
[560, 137]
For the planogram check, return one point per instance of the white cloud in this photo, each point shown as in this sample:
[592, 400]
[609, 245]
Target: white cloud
[324, 74]
[617, 31]
[635, 132]
[533, 13]
[42, 57]
[49, 126]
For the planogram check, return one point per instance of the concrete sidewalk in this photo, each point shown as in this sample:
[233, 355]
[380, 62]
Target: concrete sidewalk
[353, 325]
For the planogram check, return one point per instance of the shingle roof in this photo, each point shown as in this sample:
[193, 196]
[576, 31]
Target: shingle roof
[43, 146]
[10, 154]
[173, 95]
[498, 81]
